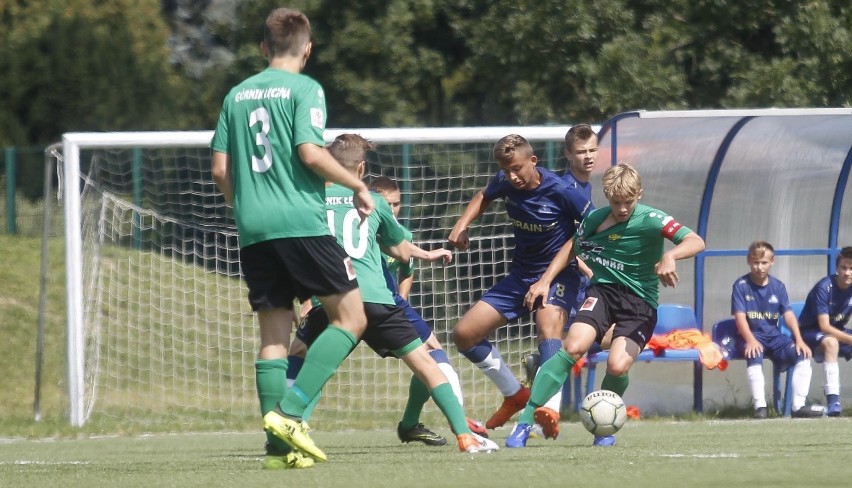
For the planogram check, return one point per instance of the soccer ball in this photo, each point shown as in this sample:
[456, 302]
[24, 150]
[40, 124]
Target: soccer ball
[603, 412]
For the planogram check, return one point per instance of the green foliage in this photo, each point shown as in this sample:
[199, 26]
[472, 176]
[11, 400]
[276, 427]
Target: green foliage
[91, 65]
[85, 65]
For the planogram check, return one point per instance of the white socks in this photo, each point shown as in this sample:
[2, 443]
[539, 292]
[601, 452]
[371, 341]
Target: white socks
[498, 372]
[757, 383]
[832, 378]
[453, 378]
[801, 383]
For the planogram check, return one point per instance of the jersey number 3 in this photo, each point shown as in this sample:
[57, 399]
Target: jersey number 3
[261, 165]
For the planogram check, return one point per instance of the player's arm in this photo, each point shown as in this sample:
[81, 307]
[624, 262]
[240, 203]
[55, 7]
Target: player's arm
[221, 169]
[793, 324]
[321, 162]
[541, 288]
[405, 284]
[440, 254]
[826, 328]
[689, 246]
[458, 237]
[584, 268]
[753, 348]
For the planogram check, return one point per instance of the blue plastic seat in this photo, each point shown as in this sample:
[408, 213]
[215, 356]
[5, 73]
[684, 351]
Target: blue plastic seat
[669, 317]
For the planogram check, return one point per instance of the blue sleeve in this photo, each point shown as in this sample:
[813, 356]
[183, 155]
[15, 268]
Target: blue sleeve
[783, 299]
[737, 299]
[822, 302]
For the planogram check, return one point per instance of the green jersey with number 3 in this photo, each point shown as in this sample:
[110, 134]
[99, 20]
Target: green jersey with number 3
[627, 253]
[263, 121]
[361, 242]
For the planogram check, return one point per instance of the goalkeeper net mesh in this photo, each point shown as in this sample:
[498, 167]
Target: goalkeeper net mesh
[169, 335]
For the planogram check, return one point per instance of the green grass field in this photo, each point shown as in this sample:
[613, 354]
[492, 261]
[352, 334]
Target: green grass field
[714, 449]
[650, 453]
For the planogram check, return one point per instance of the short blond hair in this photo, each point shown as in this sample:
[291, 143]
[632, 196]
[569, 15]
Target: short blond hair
[622, 180]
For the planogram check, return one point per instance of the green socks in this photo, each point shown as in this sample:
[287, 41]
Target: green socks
[321, 362]
[617, 384]
[550, 378]
[418, 395]
[271, 381]
[451, 408]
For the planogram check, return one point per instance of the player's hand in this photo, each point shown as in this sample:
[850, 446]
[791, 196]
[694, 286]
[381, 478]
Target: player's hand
[803, 349]
[363, 202]
[667, 271]
[443, 255]
[753, 349]
[536, 295]
[459, 239]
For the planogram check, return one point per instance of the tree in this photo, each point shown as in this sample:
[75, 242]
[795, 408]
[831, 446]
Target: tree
[86, 66]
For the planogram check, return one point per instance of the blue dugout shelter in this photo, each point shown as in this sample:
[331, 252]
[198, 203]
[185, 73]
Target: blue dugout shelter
[735, 176]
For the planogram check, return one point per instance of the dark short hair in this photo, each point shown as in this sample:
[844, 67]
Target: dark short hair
[845, 253]
[384, 184]
[286, 32]
[507, 146]
[579, 132]
[350, 149]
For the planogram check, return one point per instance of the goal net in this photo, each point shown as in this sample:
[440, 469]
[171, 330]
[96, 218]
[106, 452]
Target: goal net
[159, 327]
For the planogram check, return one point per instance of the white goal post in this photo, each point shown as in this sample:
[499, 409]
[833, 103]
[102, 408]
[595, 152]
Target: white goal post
[439, 169]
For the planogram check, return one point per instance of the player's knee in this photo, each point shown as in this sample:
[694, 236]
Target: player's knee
[573, 350]
[830, 345]
[463, 339]
[618, 366]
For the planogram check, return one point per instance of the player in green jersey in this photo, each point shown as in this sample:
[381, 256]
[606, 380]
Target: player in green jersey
[623, 245]
[400, 278]
[270, 163]
[389, 332]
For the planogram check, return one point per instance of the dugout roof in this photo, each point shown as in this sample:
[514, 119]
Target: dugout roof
[735, 176]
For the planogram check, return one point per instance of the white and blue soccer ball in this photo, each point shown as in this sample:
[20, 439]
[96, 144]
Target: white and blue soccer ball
[603, 412]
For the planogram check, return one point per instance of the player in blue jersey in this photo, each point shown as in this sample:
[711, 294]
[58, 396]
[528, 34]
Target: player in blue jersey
[758, 301]
[581, 151]
[824, 322]
[400, 278]
[544, 213]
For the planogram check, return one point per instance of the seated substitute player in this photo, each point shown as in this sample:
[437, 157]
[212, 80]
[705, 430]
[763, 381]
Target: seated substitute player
[544, 213]
[623, 244]
[388, 330]
[824, 323]
[758, 300]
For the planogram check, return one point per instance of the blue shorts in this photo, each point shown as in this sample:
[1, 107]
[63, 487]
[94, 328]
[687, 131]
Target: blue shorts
[420, 325]
[777, 347]
[814, 337]
[507, 296]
